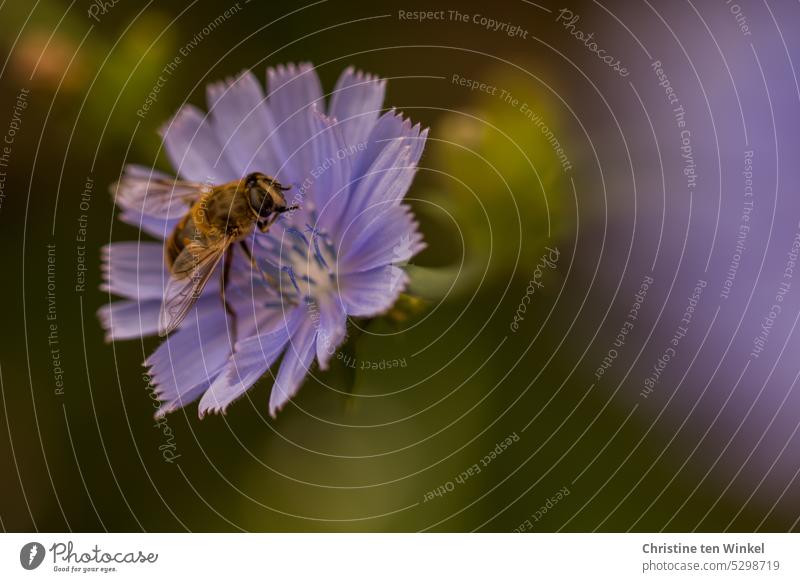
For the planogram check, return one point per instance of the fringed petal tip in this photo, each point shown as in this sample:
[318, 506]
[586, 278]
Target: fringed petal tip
[363, 76]
[274, 410]
[404, 121]
[104, 315]
[184, 116]
[244, 80]
[128, 319]
[113, 189]
[165, 409]
[326, 119]
[168, 403]
[279, 403]
[202, 412]
[206, 407]
[211, 404]
[169, 406]
[290, 69]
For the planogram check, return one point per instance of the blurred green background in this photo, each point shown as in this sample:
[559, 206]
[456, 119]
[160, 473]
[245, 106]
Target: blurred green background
[491, 195]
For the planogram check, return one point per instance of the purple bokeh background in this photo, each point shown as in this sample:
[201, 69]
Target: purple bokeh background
[729, 414]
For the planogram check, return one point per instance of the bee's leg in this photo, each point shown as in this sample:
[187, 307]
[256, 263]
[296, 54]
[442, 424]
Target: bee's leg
[227, 261]
[269, 280]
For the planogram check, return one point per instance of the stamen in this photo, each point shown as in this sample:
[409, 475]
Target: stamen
[275, 304]
[315, 234]
[294, 231]
[289, 271]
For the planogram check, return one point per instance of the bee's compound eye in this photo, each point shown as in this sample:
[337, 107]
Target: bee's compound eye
[260, 201]
[256, 196]
[252, 179]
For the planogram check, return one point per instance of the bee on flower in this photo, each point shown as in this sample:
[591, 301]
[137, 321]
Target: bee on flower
[285, 218]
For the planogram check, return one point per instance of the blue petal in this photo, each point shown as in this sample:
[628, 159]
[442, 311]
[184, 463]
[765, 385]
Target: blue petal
[329, 184]
[331, 329]
[244, 125]
[294, 367]
[356, 103]
[129, 319]
[402, 153]
[292, 90]
[384, 185]
[252, 359]
[371, 293]
[192, 356]
[194, 149]
[134, 269]
[362, 189]
[157, 227]
[390, 126]
[182, 399]
[392, 238]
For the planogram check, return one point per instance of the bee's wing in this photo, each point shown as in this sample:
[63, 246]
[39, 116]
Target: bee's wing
[190, 273]
[151, 192]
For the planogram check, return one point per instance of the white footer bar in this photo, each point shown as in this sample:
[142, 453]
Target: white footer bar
[389, 557]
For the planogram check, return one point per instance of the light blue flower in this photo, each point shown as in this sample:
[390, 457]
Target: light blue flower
[340, 254]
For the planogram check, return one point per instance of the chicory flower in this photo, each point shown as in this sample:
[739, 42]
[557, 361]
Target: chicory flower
[338, 255]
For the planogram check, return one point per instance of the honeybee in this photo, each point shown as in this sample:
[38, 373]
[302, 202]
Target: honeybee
[218, 217]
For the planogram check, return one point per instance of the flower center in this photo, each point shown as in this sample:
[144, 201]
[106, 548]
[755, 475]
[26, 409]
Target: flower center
[307, 259]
